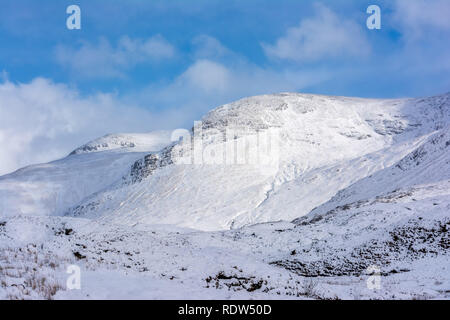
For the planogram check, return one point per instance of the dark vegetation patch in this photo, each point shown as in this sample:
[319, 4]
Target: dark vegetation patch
[234, 282]
[78, 255]
[409, 242]
[63, 231]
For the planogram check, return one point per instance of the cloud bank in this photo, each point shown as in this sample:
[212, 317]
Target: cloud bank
[325, 35]
[41, 121]
[416, 17]
[102, 60]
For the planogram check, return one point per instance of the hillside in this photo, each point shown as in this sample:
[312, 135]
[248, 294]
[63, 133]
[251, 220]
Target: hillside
[344, 186]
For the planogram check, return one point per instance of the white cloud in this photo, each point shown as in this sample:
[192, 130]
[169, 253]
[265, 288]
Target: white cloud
[208, 76]
[416, 18]
[102, 60]
[324, 35]
[207, 47]
[206, 84]
[423, 53]
[41, 121]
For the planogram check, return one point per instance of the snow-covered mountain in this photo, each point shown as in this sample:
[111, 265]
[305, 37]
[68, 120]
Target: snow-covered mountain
[344, 185]
[325, 144]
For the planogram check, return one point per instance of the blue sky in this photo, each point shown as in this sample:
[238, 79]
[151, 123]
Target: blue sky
[146, 65]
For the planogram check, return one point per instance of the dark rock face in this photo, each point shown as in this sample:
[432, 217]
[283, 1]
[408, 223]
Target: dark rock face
[88, 148]
[143, 168]
[97, 147]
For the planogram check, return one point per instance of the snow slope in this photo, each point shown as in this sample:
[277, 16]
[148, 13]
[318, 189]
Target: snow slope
[325, 259]
[325, 145]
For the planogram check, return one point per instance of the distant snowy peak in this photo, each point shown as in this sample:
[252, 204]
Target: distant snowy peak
[139, 142]
[52, 188]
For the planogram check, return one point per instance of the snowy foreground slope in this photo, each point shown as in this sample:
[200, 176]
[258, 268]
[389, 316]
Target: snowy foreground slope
[349, 186]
